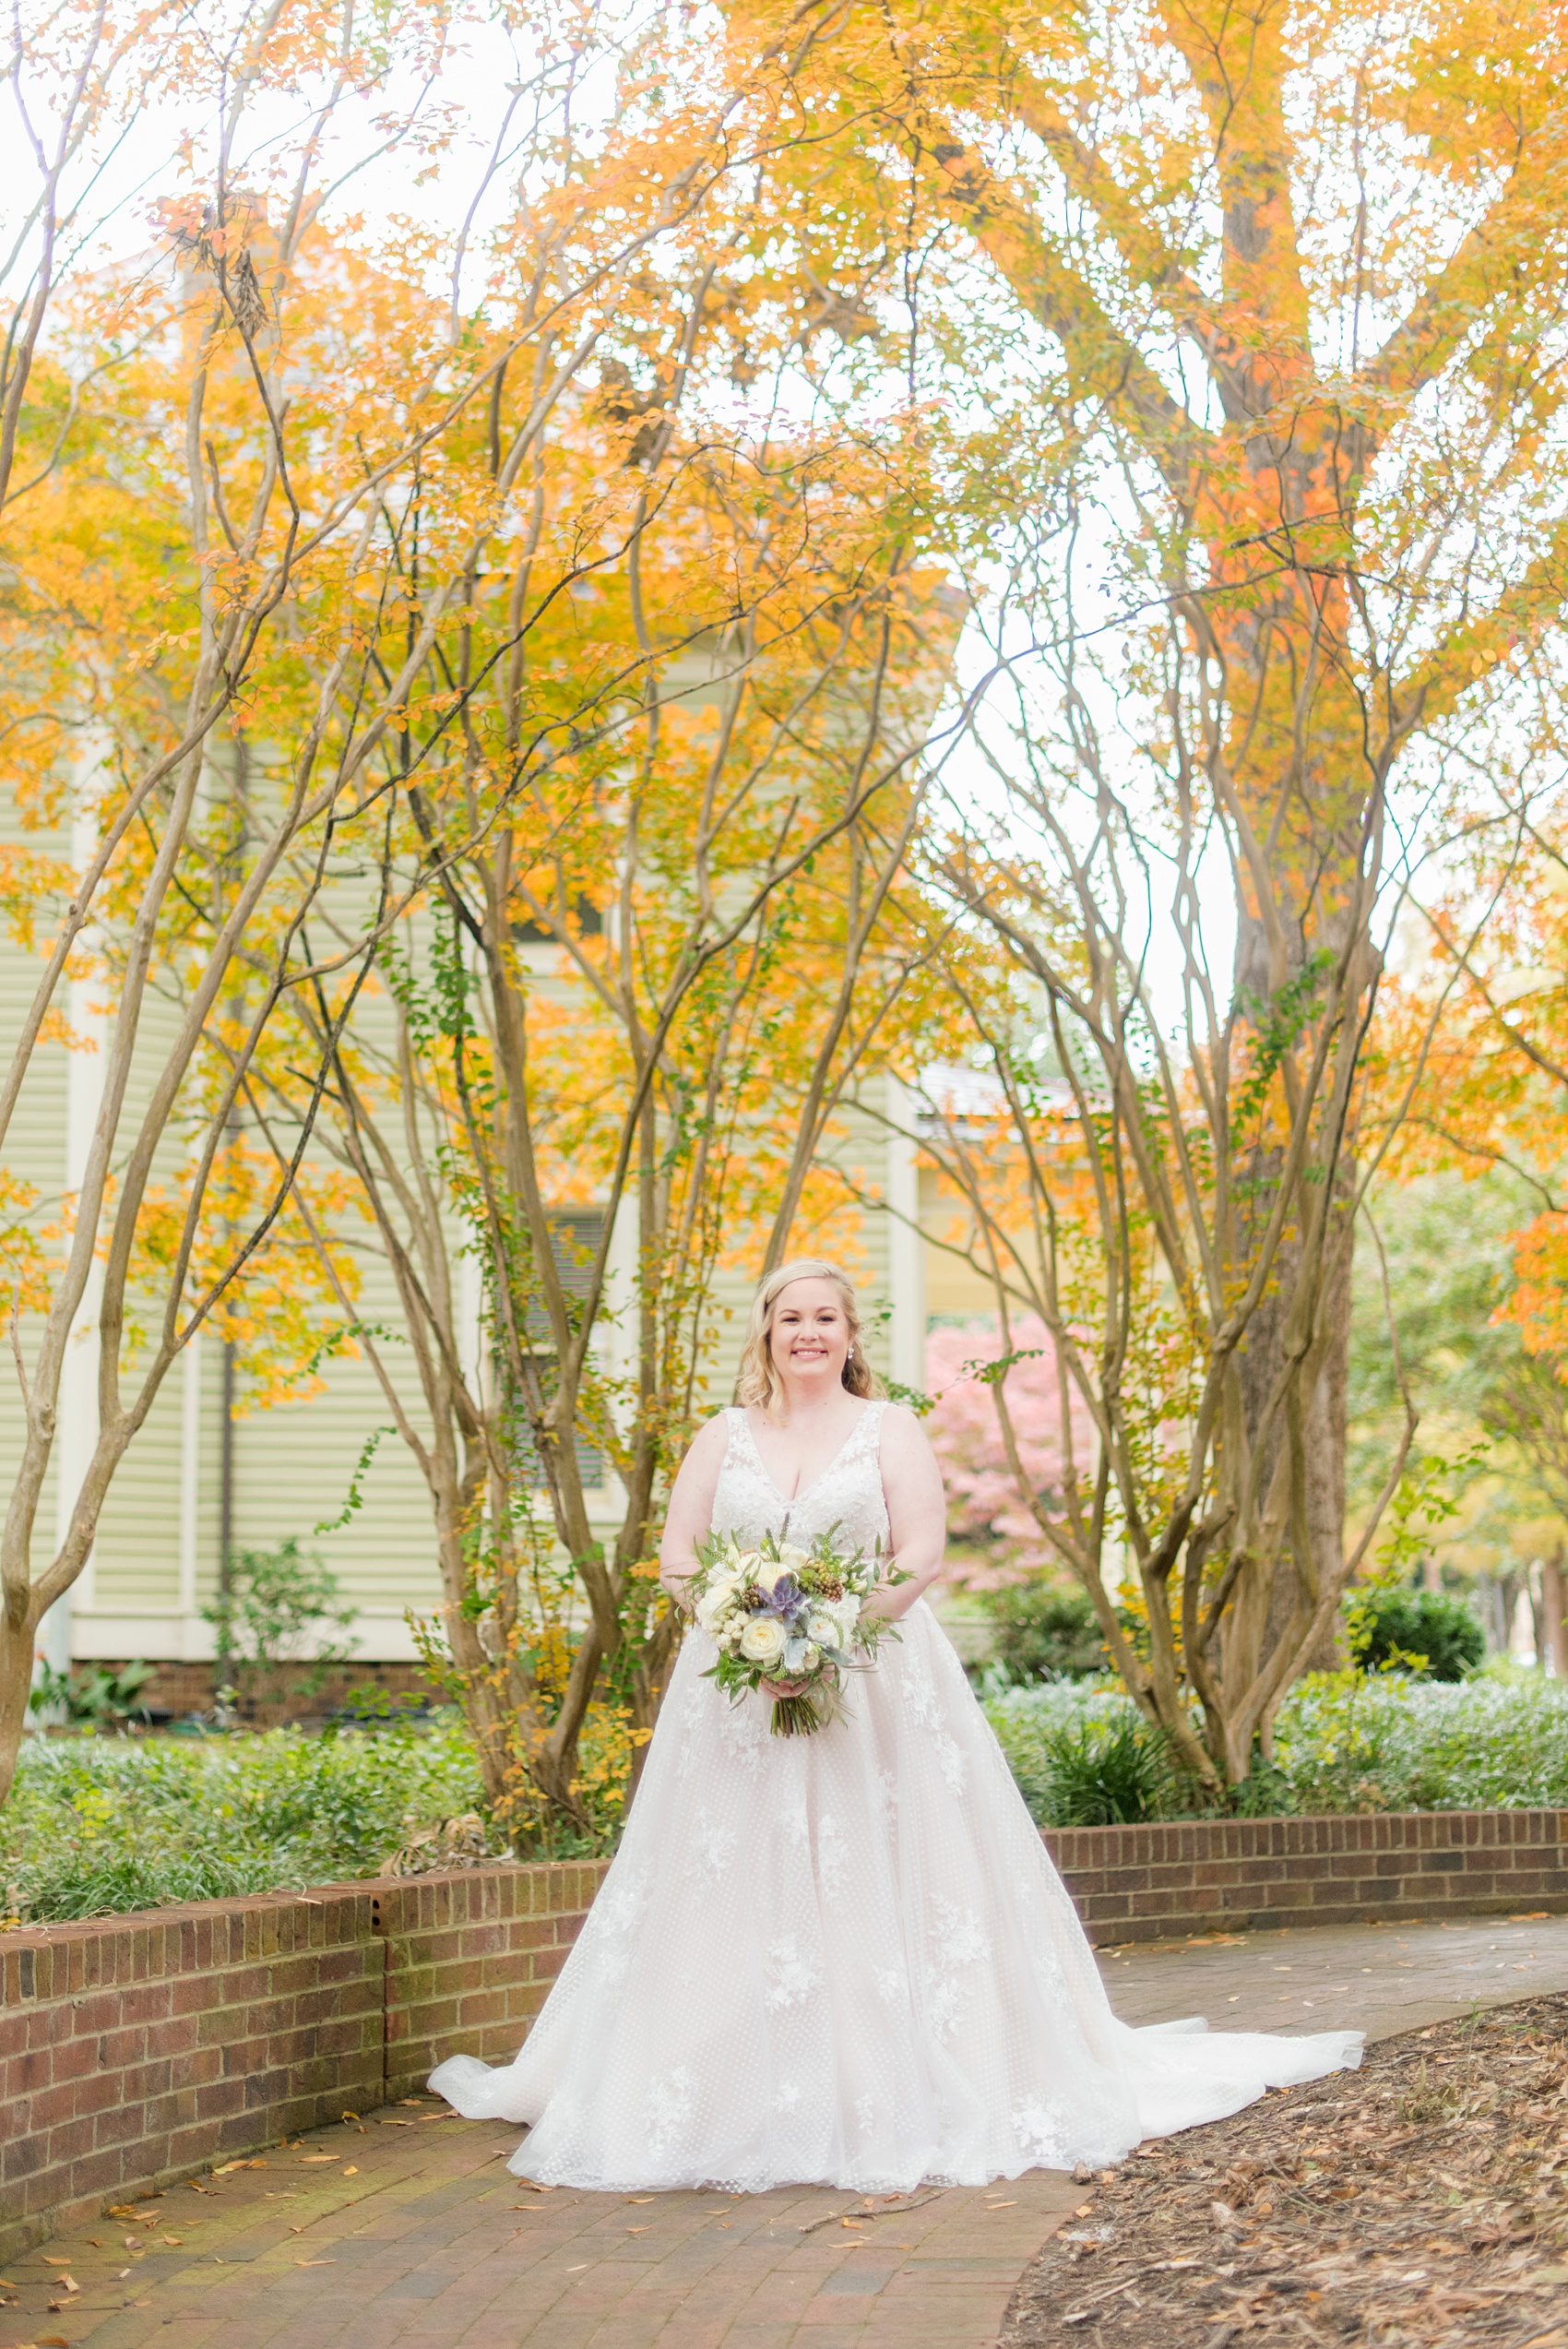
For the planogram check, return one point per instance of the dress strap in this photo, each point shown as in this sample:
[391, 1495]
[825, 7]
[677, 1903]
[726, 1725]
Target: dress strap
[871, 1423]
[741, 1436]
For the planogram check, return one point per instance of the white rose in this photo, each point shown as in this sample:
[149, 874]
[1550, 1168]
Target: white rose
[821, 1625]
[717, 1601]
[845, 1613]
[762, 1642]
[811, 1657]
[792, 1559]
[748, 1565]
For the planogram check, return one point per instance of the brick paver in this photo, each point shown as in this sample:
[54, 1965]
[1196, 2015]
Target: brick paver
[405, 2231]
[1380, 1979]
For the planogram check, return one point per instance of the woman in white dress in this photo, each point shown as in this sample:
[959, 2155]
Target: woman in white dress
[843, 1958]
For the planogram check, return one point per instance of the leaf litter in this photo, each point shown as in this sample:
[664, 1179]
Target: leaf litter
[1421, 2200]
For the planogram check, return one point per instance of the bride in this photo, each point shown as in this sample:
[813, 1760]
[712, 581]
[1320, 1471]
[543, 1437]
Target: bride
[841, 1959]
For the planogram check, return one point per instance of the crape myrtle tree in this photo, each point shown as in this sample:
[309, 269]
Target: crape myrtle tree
[639, 912]
[673, 931]
[259, 476]
[1254, 317]
[182, 559]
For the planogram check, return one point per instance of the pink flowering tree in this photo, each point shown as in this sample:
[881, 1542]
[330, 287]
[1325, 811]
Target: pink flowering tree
[997, 1537]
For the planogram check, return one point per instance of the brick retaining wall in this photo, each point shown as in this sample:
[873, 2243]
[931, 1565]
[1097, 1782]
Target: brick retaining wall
[470, 1958]
[133, 2049]
[1143, 1883]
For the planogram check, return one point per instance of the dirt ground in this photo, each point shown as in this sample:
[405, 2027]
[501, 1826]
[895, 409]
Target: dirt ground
[1421, 2199]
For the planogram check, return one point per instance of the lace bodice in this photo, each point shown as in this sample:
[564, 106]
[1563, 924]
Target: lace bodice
[848, 1495]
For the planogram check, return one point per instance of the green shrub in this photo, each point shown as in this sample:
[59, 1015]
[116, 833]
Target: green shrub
[1044, 1633]
[277, 1613]
[1431, 1633]
[1107, 1774]
[1342, 1743]
[1083, 1755]
[94, 1694]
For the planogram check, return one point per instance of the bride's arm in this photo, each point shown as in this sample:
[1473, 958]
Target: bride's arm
[691, 1508]
[917, 1510]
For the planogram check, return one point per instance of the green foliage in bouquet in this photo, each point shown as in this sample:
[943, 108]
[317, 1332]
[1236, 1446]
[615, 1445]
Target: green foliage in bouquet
[791, 1621]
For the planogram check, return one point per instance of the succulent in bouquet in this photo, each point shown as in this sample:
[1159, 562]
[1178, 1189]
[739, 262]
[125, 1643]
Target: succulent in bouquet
[778, 1612]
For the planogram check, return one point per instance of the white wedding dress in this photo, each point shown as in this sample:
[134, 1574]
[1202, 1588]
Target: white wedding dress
[843, 1959]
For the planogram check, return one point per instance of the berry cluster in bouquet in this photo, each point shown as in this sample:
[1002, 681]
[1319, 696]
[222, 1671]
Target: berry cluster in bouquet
[791, 1621]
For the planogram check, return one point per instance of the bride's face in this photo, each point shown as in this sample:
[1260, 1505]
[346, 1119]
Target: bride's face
[810, 1335]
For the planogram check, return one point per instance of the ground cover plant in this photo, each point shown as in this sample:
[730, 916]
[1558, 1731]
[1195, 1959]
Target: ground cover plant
[1081, 1751]
[1422, 2198]
[96, 1826]
[103, 1824]
[99, 1825]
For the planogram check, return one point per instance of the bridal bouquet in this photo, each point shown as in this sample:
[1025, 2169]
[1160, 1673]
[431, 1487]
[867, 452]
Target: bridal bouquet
[778, 1611]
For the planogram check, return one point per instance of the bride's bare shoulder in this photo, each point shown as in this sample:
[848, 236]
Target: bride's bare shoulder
[903, 1442]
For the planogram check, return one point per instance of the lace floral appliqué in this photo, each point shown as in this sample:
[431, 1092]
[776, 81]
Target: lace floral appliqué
[791, 1975]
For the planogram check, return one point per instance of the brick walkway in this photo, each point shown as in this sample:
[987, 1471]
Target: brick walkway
[405, 2231]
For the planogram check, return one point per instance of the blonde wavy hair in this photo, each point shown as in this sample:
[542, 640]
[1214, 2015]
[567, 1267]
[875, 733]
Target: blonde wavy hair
[758, 1381]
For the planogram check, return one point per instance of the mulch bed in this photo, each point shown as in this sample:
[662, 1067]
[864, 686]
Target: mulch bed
[1423, 2198]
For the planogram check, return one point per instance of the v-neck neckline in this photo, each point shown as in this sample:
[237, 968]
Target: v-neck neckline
[791, 1500]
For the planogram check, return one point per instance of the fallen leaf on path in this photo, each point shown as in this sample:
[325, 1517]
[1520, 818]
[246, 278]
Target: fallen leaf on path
[352, 2170]
[316, 2263]
[637, 2229]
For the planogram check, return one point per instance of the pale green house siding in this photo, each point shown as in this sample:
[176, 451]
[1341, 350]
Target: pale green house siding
[155, 1564]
